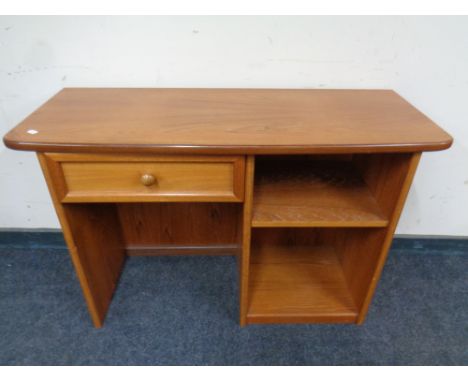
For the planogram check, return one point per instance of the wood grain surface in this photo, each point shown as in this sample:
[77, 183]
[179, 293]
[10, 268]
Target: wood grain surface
[313, 194]
[118, 178]
[311, 230]
[150, 225]
[245, 238]
[298, 284]
[244, 121]
[94, 238]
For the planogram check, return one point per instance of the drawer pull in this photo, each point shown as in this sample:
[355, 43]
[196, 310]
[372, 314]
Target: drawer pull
[148, 180]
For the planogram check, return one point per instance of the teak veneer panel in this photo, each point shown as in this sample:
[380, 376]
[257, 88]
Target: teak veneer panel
[394, 187]
[298, 284]
[223, 121]
[113, 178]
[93, 236]
[246, 238]
[313, 194]
[166, 225]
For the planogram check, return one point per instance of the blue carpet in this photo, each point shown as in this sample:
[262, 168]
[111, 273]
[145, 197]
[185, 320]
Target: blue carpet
[183, 311]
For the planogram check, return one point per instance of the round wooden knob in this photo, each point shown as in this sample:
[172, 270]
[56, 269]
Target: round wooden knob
[148, 179]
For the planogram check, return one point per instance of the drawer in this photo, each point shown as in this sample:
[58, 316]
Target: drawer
[109, 178]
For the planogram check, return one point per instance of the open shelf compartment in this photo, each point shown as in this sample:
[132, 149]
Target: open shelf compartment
[318, 191]
[303, 284]
[310, 275]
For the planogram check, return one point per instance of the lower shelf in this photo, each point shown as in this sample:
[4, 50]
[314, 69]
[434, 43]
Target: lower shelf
[298, 284]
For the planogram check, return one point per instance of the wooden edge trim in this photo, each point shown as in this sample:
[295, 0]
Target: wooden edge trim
[288, 319]
[144, 157]
[75, 197]
[320, 224]
[225, 149]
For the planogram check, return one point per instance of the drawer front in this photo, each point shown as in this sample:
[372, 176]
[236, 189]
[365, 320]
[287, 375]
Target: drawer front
[105, 178]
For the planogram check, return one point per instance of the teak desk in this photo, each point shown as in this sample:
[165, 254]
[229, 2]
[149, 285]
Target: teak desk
[305, 187]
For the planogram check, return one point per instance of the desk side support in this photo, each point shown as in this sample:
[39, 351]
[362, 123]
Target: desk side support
[246, 240]
[94, 239]
[399, 190]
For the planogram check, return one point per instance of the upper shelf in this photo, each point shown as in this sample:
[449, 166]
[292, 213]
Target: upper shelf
[313, 194]
[240, 121]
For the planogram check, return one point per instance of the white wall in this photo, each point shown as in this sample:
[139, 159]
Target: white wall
[425, 59]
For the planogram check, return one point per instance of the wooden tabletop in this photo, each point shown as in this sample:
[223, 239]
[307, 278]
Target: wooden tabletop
[240, 121]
